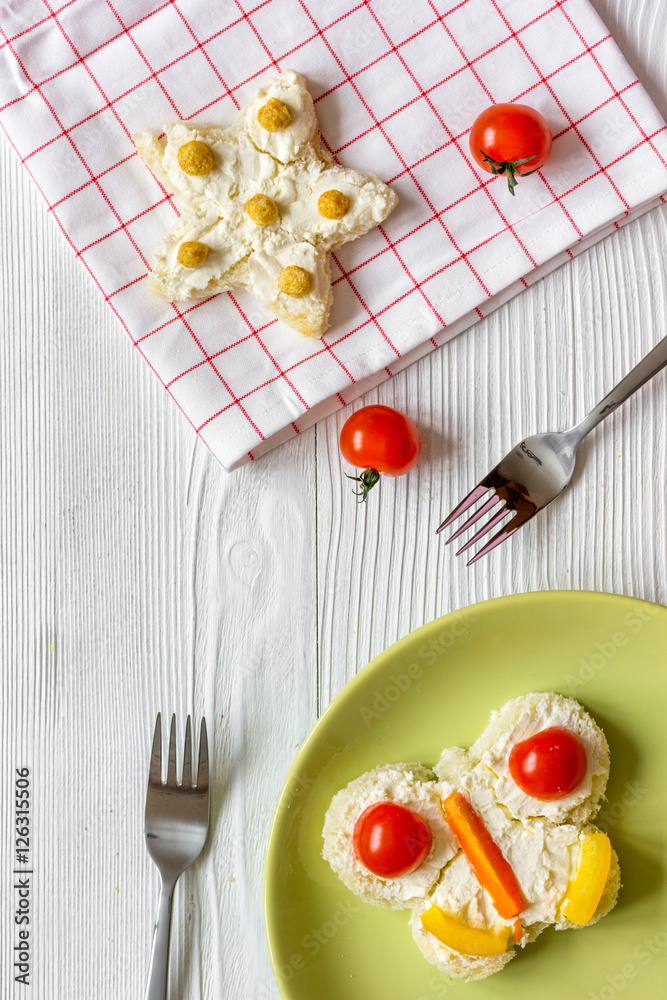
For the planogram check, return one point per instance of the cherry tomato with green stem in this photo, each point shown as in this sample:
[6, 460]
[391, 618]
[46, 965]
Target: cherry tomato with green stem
[510, 139]
[378, 440]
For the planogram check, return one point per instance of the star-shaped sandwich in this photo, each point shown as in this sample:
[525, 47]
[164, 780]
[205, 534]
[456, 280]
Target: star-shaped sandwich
[263, 206]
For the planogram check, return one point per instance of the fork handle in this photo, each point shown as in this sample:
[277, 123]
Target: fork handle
[641, 373]
[158, 969]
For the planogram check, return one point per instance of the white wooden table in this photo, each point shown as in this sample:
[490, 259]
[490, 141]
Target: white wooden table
[138, 576]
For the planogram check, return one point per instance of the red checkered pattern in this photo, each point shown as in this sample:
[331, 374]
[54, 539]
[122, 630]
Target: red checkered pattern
[397, 86]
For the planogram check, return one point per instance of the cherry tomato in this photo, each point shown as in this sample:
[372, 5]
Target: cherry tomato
[510, 139]
[549, 765]
[391, 840]
[379, 439]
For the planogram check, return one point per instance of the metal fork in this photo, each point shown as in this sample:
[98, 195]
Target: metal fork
[175, 827]
[539, 468]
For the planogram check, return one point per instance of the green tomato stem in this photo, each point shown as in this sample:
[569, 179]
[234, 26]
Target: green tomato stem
[508, 167]
[367, 480]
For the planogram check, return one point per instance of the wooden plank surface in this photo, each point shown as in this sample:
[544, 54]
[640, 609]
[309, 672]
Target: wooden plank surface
[137, 576]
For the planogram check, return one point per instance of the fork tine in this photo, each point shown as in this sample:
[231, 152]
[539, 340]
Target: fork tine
[475, 517]
[491, 523]
[171, 766]
[468, 501]
[155, 772]
[202, 766]
[504, 533]
[187, 757]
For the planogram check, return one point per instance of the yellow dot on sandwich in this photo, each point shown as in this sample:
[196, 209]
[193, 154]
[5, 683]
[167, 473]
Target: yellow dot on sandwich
[191, 253]
[274, 115]
[294, 281]
[262, 209]
[333, 204]
[195, 158]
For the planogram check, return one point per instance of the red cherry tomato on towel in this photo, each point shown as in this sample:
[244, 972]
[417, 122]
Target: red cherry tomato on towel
[510, 139]
[379, 439]
[550, 764]
[391, 840]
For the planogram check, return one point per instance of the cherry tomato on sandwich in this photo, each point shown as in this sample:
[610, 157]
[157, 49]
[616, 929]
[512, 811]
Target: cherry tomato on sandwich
[549, 765]
[510, 139]
[391, 840]
[379, 439]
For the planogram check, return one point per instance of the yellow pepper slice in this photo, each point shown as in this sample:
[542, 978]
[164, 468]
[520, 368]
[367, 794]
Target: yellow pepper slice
[585, 890]
[463, 938]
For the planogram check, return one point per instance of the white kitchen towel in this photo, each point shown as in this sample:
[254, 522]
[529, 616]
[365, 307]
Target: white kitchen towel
[396, 86]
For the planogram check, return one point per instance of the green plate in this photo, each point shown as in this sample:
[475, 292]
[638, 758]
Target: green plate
[436, 688]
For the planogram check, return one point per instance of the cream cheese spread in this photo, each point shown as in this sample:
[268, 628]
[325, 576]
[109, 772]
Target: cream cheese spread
[542, 856]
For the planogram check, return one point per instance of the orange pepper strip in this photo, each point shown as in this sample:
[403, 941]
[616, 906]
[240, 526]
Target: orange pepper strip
[518, 931]
[484, 856]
